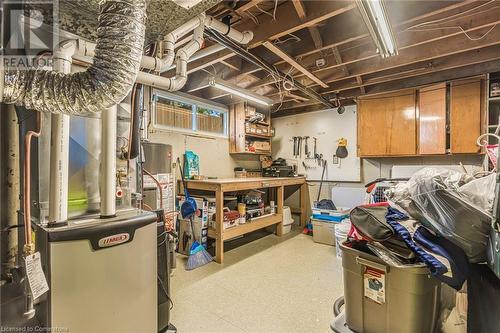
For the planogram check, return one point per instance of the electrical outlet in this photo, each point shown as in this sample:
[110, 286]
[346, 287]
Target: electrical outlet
[321, 62]
[336, 160]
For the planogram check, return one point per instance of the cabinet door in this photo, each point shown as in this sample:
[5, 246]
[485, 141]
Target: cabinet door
[465, 115]
[432, 119]
[387, 125]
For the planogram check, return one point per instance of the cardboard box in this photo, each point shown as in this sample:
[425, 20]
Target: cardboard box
[261, 145]
[323, 232]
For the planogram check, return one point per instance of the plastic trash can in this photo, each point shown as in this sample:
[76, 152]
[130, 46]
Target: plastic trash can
[385, 299]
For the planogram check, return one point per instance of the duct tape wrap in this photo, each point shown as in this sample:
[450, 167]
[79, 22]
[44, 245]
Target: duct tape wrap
[120, 41]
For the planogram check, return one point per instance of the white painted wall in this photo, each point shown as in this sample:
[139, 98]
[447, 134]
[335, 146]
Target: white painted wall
[328, 127]
[215, 160]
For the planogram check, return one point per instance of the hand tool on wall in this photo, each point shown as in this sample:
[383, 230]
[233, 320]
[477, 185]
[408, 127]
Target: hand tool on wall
[342, 148]
[294, 146]
[315, 151]
[306, 148]
[322, 178]
[300, 146]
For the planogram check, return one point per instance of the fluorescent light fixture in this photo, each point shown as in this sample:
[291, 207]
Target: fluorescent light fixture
[238, 91]
[375, 16]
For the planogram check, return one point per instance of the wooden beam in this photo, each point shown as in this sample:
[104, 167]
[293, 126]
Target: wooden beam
[204, 63]
[360, 83]
[273, 48]
[270, 30]
[474, 57]
[411, 46]
[453, 74]
[247, 6]
[313, 30]
[405, 38]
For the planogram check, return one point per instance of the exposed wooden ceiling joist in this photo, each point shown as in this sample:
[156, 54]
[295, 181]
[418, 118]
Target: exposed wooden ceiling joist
[270, 30]
[247, 6]
[452, 74]
[273, 48]
[416, 44]
[308, 58]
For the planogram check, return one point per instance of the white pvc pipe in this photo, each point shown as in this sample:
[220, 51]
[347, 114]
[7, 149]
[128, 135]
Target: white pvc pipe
[240, 37]
[59, 149]
[108, 162]
[180, 79]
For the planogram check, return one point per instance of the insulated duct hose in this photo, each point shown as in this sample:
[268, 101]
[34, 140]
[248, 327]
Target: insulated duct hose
[134, 141]
[120, 41]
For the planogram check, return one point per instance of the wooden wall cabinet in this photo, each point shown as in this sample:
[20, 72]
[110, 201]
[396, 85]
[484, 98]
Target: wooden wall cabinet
[387, 125]
[432, 119]
[435, 120]
[466, 101]
[246, 137]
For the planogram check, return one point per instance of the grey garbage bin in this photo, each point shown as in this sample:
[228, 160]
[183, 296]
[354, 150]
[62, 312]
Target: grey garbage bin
[385, 299]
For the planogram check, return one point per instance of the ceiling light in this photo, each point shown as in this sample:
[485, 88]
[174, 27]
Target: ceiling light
[238, 91]
[376, 19]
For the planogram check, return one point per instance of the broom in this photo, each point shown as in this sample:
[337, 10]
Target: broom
[198, 256]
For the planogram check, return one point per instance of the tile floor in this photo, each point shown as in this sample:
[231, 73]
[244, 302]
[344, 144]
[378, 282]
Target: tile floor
[273, 284]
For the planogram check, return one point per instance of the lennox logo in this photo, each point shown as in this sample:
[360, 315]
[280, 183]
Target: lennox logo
[114, 240]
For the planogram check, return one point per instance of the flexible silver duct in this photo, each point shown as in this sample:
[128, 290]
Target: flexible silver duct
[120, 41]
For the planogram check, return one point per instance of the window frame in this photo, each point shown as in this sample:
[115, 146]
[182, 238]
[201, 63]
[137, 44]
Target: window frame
[196, 103]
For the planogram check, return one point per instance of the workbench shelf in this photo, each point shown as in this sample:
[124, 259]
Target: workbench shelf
[250, 226]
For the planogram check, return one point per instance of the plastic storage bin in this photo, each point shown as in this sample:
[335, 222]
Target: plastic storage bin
[383, 299]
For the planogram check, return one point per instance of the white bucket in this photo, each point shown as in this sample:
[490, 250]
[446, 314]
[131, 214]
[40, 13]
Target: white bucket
[341, 232]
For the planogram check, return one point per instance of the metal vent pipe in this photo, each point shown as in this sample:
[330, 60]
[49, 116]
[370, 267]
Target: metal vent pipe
[118, 53]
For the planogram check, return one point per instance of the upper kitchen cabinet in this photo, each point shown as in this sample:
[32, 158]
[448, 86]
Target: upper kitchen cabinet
[466, 115]
[444, 118]
[432, 119]
[387, 125]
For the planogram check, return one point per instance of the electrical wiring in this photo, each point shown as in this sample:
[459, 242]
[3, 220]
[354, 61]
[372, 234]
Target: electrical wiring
[461, 29]
[292, 37]
[273, 15]
[248, 56]
[450, 17]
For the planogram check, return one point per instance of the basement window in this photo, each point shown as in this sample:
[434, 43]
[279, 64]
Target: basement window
[181, 113]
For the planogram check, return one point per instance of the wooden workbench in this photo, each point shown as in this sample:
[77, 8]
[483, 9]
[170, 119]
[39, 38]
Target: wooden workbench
[221, 186]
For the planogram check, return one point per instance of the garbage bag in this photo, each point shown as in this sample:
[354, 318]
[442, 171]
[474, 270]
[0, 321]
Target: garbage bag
[434, 198]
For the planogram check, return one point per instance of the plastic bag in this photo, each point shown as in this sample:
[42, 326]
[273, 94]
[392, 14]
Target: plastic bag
[481, 192]
[440, 206]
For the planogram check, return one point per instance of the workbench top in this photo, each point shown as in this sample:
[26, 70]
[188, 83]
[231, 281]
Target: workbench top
[248, 180]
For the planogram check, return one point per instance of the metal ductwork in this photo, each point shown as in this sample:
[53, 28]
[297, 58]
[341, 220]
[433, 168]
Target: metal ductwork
[120, 42]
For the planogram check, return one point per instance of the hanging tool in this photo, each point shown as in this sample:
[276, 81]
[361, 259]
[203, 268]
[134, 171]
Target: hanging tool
[306, 151]
[342, 148]
[299, 138]
[315, 152]
[322, 178]
[294, 146]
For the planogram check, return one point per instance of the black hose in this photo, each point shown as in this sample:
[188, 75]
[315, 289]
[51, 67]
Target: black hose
[135, 122]
[337, 305]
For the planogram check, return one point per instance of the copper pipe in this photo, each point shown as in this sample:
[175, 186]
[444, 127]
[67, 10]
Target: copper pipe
[27, 183]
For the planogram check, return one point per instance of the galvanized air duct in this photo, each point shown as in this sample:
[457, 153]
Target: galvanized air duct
[120, 41]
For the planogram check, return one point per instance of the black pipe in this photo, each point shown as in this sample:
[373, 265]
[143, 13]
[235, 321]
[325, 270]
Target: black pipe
[219, 38]
[135, 122]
